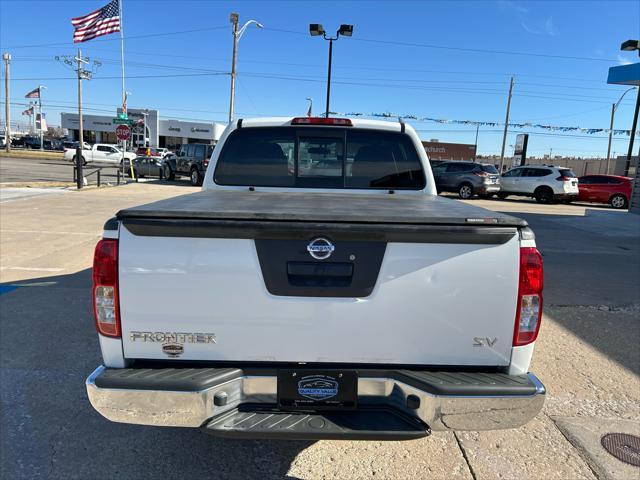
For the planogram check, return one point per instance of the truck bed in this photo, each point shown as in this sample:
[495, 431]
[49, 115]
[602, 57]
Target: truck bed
[302, 207]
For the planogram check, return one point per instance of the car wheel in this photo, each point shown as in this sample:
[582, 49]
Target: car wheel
[465, 191]
[196, 181]
[168, 173]
[618, 201]
[502, 195]
[543, 195]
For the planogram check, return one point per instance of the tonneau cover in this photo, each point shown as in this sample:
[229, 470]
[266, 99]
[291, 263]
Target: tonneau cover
[320, 207]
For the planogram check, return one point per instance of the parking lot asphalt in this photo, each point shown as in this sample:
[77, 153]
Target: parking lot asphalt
[587, 355]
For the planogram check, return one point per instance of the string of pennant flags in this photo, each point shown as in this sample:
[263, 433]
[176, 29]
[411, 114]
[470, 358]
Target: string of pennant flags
[555, 128]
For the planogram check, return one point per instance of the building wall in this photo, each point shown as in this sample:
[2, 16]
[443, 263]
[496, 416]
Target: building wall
[449, 151]
[160, 132]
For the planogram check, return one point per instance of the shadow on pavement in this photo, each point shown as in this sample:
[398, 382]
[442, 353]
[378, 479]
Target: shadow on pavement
[48, 346]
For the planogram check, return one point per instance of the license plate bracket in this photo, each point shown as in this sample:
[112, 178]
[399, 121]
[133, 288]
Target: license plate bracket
[317, 389]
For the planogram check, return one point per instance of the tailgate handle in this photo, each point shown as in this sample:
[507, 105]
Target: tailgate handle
[320, 274]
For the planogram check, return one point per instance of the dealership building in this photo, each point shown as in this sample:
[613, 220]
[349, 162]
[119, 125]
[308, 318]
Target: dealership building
[160, 132]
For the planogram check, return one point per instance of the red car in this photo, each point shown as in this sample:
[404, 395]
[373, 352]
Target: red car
[612, 189]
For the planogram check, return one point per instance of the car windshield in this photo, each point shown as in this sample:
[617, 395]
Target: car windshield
[320, 158]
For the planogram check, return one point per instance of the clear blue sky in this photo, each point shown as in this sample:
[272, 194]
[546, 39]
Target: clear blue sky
[281, 65]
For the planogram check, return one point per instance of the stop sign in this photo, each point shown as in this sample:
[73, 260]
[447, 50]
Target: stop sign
[123, 132]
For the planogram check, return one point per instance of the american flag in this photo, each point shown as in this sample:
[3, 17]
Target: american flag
[35, 93]
[101, 22]
[28, 111]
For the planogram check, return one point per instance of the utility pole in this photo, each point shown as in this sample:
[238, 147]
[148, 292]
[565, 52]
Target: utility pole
[475, 153]
[613, 112]
[76, 63]
[234, 59]
[7, 111]
[79, 176]
[506, 125]
[237, 34]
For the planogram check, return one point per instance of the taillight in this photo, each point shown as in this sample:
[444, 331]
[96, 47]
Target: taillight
[106, 308]
[529, 310]
[481, 174]
[206, 163]
[562, 178]
[343, 122]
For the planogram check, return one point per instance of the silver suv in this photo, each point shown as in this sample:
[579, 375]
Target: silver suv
[467, 179]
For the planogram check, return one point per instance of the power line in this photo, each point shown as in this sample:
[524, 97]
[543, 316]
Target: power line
[460, 49]
[129, 37]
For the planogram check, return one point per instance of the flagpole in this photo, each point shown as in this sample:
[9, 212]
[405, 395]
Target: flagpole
[40, 108]
[124, 100]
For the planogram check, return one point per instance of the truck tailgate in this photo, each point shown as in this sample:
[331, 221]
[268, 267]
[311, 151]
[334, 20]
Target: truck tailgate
[227, 276]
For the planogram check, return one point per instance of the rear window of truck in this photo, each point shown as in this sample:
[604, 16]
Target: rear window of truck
[319, 158]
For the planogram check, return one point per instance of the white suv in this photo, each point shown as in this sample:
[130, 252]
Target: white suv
[543, 182]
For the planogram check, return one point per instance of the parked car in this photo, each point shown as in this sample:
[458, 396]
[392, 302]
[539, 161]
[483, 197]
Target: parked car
[191, 160]
[303, 309]
[66, 145]
[26, 141]
[612, 189]
[100, 153]
[545, 183]
[153, 152]
[145, 166]
[466, 178]
[2, 141]
[53, 144]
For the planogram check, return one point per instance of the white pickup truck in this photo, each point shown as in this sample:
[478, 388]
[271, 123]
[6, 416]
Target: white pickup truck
[317, 287]
[99, 153]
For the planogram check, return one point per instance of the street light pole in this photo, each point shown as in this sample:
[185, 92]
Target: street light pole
[316, 29]
[329, 75]
[633, 136]
[7, 111]
[237, 34]
[614, 107]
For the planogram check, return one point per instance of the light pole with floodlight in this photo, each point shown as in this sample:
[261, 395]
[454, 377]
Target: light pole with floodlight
[630, 46]
[316, 29]
[614, 107]
[236, 38]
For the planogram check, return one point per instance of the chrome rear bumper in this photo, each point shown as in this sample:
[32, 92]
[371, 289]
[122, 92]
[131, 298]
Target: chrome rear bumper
[192, 408]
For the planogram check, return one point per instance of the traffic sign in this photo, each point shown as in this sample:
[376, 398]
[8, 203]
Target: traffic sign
[122, 121]
[123, 116]
[123, 132]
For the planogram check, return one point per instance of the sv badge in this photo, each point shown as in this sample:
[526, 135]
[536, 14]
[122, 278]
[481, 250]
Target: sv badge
[484, 341]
